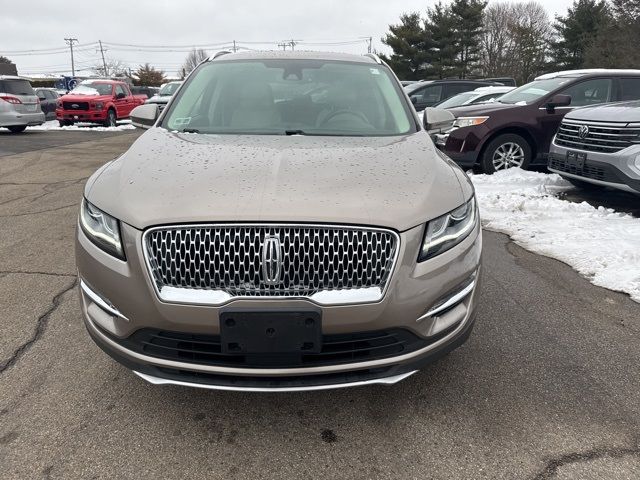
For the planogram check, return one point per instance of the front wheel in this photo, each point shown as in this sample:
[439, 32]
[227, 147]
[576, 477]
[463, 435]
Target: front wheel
[506, 151]
[111, 120]
[65, 123]
[17, 129]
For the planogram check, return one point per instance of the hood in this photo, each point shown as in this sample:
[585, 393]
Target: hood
[482, 109]
[83, 98]
[624, 112]
[169, 178]
[159, 99]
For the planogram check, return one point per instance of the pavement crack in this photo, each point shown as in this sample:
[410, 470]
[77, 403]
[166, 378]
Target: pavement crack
[39, 211]
[41, 326]
[551, 468]
[25, 272]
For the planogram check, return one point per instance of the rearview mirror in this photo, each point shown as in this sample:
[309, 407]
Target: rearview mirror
[144, 116]
[558, 101]
[435, 120]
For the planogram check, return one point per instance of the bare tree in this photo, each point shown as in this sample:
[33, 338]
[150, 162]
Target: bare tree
[115, 68]
[193, 59]
[515, 40]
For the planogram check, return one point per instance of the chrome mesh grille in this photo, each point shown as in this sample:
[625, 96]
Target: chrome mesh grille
[229, 258]
[606, 138]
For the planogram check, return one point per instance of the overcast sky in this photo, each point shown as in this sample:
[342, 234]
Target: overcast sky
[44, 24]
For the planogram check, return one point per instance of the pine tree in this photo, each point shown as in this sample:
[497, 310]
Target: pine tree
[148, 76]
[468, 18]
[407, 40]
[443, 42]
[577, 30]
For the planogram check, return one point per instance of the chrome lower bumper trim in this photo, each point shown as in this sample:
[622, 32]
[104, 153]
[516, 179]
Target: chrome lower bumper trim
[378, 381]
[451, 301]
[98, 300]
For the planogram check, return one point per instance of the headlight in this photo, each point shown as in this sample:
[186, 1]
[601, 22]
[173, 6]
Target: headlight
[448, 230]
[102, 229]
[469, 121]
[99, 105]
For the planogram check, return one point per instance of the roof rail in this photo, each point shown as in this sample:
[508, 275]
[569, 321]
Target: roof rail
[218, 54]
[375, 57]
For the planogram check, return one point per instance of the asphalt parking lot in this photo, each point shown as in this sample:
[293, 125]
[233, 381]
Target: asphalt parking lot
[547, 387]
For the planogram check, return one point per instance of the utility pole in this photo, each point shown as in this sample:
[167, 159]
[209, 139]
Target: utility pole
[70, 42]
[293, 44]
[235, 49]
[104, 64]
[283, 45]
[370, 48]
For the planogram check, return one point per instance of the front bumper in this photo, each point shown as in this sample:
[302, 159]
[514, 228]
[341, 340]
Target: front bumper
[11, 118]
[619, 170]
[81, 115]
[130, 304]
[463, 145]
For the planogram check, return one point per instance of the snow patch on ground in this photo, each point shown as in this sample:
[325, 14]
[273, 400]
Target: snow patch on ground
[53, 125]
[601, 244]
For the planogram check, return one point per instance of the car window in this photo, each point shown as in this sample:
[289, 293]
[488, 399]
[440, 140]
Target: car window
[16, 87]
[457, 100]
[531, 92]
[630, 89]
[49, 95]
[313, 97]
[589, 92]
[457, 88]
[428, 95]
[120, 89]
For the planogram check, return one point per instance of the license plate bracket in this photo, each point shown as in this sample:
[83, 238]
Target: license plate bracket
[576, 159]
[278, 332]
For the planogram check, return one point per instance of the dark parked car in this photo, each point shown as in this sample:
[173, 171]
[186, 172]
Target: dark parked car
[48, 98]
[141, 90]
[429, 92]
[516, 130]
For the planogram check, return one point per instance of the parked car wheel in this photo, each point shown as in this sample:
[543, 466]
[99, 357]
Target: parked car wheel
[111, 120]
[506, 151]
[65, 123]
[582, 184]
[17, 129]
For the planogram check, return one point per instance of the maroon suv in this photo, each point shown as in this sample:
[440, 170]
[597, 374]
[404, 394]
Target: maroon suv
[517, 129]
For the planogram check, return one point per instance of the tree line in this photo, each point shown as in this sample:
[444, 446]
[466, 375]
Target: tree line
[475, 38]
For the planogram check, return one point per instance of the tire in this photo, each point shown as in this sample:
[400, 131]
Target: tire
[19, 129]
[583, 185]
[506, 151]
[111, 120]
[64, 123]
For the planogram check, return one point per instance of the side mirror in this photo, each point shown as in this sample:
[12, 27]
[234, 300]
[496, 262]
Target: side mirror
[42, 98]
[144, 116]
[120, 96]
[558, 101]
[435, 120]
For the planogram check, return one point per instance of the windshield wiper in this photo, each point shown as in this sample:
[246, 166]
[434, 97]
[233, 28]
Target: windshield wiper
[190, 130]
[294, 132]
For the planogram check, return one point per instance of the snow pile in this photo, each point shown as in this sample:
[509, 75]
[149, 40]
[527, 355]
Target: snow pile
[599, 243]
[82, 127]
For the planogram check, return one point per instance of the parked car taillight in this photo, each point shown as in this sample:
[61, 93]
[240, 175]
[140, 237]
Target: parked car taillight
[13, 100]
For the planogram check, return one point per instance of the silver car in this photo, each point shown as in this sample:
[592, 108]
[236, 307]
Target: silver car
[599, 147]
[19, 104]
[285, 224]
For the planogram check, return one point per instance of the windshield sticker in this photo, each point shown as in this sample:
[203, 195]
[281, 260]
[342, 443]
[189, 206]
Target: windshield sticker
[182, 121]
[374, 71]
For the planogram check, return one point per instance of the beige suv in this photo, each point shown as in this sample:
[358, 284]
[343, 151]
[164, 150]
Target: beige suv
[285, 224]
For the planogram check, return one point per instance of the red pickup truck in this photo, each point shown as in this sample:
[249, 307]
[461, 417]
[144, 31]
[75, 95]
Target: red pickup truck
[97, 101]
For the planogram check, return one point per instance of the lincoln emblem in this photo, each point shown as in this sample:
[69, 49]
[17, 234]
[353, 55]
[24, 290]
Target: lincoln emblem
[271, 261]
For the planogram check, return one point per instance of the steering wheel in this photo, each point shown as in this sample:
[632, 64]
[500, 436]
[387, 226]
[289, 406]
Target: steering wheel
[359, 115]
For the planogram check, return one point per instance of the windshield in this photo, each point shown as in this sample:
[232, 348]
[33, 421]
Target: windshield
[169, 89]
[415, 86]
[93, 88]
[16, 87]
[457, 100]
[533, 91]
[291, 96]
